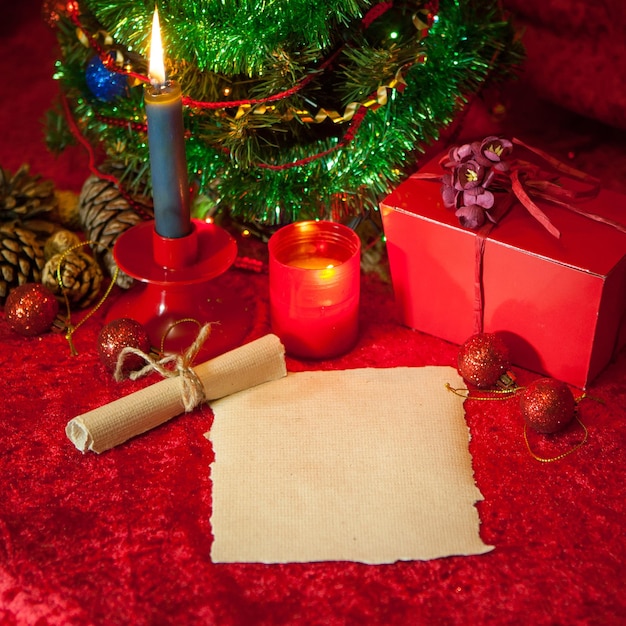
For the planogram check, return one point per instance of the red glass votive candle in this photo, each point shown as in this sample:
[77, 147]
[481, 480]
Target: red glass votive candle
[314, 270]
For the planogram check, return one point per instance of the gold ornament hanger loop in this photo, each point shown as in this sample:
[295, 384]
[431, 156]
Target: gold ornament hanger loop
[564, 454]
[70, 328]
[498, 394]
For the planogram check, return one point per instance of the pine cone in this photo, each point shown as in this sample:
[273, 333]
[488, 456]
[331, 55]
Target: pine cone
[105, 214]
[23, 196]
[80, 274]
[21, 258]
[59, 242]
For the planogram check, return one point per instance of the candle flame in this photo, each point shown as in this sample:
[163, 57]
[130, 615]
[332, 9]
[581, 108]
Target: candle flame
[156, 70]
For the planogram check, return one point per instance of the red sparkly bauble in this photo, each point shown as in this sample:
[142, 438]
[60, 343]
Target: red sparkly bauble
[547, 405]
[482, 359]
[119, 334]
[30, 309]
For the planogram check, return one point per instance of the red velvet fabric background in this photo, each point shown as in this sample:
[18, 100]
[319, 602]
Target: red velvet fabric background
[124, 537]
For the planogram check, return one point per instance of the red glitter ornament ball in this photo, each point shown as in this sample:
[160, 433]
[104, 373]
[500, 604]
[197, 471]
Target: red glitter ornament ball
[547, 405]
[482, 359]
[119, 334]
[30, 309]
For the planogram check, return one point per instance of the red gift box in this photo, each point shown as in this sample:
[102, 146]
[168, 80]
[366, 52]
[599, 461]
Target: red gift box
[558, 303]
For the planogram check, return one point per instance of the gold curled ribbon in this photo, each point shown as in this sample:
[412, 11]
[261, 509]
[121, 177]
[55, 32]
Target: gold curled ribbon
[86, 39]
[192, 389]
[377, 99]
[70, 329]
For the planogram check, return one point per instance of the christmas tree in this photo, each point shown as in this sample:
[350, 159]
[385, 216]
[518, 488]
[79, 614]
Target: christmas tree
[293, 110]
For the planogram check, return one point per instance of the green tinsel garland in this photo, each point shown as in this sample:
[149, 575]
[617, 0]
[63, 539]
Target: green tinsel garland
[253, 49]
[231, 37]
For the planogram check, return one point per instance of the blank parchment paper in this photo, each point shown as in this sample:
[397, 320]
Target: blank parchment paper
[367, 465]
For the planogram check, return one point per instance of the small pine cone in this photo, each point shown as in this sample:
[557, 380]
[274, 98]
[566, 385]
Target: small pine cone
[105, 214]
[80, 274]
[23, 196]
[21, 258]
[59, 242]
[42, 229]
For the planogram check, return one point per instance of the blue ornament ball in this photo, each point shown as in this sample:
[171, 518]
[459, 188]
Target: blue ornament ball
[102, 82]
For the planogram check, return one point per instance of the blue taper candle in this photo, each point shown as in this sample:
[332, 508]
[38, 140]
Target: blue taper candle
[166, 140]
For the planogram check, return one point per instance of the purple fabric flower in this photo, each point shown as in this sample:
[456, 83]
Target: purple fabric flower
[471, 174]
[448, 192]
[493, 150]
[471, 169]
[471, 216]
[459, 154]
[479, 196]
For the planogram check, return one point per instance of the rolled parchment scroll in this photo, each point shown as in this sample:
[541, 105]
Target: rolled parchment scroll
[103, 428]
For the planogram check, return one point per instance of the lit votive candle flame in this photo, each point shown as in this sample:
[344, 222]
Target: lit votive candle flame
[166, 139]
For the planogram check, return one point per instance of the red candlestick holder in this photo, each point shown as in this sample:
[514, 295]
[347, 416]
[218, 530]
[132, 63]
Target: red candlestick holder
[175, 289]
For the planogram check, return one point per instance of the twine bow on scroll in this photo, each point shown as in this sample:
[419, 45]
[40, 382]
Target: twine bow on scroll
[192, 389]
[110, 425]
